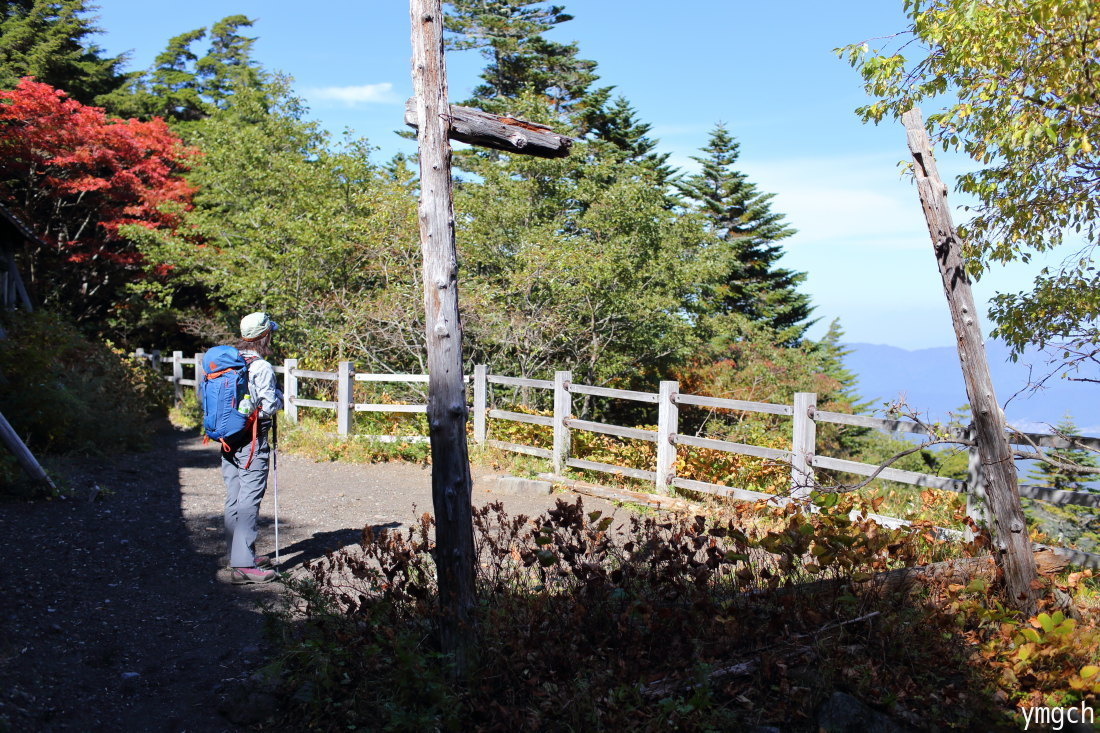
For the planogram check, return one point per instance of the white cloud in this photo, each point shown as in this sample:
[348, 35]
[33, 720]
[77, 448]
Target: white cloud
[857, 199]
[352, 96]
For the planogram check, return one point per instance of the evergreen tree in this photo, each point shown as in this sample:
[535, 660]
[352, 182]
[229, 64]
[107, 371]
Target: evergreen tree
[50, 40]
[579, 262]
[170, 90]
[509, 35]
[742, 217]
[1065, 479]
[836, 386]
[617, 123]
[228, 65]
[185, 87]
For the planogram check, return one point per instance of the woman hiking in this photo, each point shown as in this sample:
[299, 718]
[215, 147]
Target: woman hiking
[245, 456]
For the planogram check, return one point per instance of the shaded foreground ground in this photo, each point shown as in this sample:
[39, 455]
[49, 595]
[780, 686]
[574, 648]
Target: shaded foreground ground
[114, 613]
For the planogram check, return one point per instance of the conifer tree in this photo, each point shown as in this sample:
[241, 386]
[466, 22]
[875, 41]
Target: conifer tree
[509, 35]
[50, 40]
[1059, 477]
[184, 86]
[742, 217]
[617, 123]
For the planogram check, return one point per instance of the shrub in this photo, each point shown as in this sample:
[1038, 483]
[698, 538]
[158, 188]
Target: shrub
[65, 393]
[586, 622]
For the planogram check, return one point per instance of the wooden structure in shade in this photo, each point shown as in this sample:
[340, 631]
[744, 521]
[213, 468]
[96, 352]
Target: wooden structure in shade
[13, 233]
[13, 294]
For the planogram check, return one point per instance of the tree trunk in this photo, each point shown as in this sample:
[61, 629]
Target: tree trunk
[446, 408]
[1010, 531]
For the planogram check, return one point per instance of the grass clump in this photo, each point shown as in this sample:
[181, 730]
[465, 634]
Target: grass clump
[371, 441]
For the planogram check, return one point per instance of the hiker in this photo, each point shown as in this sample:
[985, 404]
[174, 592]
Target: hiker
[245, 456]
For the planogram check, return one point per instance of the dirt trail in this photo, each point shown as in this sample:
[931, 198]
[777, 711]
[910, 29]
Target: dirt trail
[115, 615]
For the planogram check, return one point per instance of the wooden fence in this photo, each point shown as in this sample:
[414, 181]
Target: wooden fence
[802, 456]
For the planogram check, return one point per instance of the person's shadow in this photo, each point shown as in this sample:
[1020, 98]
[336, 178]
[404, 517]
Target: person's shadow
[321, 543]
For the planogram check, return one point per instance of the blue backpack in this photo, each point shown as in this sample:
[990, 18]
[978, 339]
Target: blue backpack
[224, 385]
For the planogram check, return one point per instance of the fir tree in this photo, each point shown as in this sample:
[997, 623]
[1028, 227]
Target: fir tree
[170, 90]
[228, 64]
[742, 217]
[618, 124]
[185, 87]
[50, 40]
[1065, 479]
[509, 35]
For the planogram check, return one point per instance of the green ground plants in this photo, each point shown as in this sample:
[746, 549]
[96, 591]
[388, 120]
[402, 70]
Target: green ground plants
[57, 386]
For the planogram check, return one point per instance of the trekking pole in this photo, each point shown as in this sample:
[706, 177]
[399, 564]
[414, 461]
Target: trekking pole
[275, 479]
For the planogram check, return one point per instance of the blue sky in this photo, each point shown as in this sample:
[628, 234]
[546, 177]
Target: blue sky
[765, 69]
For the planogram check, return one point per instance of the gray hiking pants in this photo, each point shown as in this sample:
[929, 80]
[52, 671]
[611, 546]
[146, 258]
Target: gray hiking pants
[244, 489]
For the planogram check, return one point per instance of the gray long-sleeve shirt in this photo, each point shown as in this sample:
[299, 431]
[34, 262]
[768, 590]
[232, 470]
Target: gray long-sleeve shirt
[262, 385]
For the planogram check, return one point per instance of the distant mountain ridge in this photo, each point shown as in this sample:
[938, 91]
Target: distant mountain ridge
[931, 381]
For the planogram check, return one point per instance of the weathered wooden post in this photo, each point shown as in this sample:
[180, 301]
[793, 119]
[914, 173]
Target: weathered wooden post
[290, 390]
[451, 484]
[177, 375]
[1017, 559]
[345, 405]
[563, 407]
[481, 401]
[198, 379]
[976, 501]
[668, 417]
[432, 117]
[803, 442]
[154, 359]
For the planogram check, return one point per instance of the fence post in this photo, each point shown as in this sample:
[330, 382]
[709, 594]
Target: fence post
[154, 359]
[290, 390]
[177, 375]
[563, 407]
[139, 353]
[198, 378]
[344, 404]
[976, 507]
[668, 418]
[802, 444]
[481, 401]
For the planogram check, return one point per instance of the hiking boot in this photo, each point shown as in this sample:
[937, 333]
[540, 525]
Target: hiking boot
[243, 576]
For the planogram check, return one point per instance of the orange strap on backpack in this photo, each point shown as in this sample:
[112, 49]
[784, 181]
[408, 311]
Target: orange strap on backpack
[254, 419]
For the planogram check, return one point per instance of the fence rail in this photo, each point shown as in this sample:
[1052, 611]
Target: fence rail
[801, 457]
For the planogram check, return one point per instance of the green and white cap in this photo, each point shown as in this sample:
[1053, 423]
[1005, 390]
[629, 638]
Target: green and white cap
[255, 325]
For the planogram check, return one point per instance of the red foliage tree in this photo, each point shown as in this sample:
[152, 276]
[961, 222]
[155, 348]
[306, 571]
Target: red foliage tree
[77, 177]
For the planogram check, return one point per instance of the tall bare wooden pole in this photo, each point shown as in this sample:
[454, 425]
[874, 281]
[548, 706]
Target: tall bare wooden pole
[1016, 558]
[446, 391]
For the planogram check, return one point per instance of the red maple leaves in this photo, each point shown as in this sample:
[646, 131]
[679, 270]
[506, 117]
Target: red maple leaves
[76, 176]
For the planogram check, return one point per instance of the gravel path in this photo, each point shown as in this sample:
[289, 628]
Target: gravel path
[115, 614]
